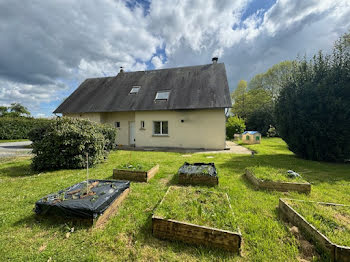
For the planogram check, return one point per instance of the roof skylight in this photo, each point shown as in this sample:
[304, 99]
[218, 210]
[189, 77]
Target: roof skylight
[135, 89]
[162, 95]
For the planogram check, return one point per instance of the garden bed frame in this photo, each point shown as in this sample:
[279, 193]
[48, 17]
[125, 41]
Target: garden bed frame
[195, 234]
[135, 175]
[278, 186]
[336, 252]
[101, 220]
[187, 179]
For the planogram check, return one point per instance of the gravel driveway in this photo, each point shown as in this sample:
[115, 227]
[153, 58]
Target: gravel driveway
[15, 149]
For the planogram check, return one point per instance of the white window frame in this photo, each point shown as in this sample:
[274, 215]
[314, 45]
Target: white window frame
[161, 128]
[142, 124]
[161, 92]
[135, 89]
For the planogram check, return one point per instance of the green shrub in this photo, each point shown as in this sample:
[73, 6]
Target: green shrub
[19, 127]
[271, 132]
[313, 110]
[110, 135]
[64, 143]
[234, 125]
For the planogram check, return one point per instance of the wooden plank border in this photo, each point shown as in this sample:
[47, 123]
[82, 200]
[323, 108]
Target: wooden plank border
[195, 234]
[135, 175]
[101, 220]
[278, 186]
[336, 252]
[186, 179]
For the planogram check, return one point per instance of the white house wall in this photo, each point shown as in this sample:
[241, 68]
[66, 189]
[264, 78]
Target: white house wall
[199, 129]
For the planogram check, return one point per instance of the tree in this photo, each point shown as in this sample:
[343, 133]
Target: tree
[313, 109]
[16, 110]
[273, 79]
[234, 125]
[3, 110]
[255, 107]
[239, 98]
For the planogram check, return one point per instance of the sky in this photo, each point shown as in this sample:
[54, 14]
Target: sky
[47, 48]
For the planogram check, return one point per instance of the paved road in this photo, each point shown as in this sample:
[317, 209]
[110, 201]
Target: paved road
[15, 149]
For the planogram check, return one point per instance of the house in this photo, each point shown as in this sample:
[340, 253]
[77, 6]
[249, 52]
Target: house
[180, 107]
[251, 137]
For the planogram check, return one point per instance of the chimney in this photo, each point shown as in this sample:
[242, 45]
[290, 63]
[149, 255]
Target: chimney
[215, 60]
[121, 70]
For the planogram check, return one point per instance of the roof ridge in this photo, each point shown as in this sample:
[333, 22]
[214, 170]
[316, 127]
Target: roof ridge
[153, 70]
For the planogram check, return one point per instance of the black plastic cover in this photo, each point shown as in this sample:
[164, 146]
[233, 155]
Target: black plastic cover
[207, 169]
[68, 202]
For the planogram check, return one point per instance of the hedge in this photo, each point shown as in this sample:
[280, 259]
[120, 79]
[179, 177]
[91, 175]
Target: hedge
[313, 109]
[19, 127]
[64, 143]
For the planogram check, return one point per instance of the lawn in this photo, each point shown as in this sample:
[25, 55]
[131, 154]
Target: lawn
[12, 140]
[128, 235]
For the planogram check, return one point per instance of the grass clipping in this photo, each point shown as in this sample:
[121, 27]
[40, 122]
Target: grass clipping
[332, 221]
[198, 206]
[274, 174]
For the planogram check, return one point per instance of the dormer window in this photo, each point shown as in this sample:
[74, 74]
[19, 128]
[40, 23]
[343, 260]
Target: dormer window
[162, 95]
[135, 89]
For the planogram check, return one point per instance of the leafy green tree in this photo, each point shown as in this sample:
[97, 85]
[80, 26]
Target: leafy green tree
[234, 125]
[16, 110]
[313, 109]
[239, 99]
[273, 79]
[3, 110]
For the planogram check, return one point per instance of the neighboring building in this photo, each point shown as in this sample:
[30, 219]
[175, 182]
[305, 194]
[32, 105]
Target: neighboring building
[251, 137]
[177, 107]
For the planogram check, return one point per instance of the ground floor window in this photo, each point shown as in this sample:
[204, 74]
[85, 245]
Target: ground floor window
[142, 124]
[117, 124]
[257, 138]
[160, 127]
[247, 137]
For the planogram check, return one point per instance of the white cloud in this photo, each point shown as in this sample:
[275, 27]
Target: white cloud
[46, 45]
[157, 62]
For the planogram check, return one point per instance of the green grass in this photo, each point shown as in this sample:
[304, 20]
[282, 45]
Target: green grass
[332, 221]
[12, 140]
[200, 206]
[128, 235]
[274, 174]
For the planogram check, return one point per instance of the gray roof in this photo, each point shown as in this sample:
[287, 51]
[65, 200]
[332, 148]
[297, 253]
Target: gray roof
[194, 87]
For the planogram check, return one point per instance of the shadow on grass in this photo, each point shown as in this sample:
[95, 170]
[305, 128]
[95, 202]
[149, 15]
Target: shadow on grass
[313, 171]
[18, 169]
[52, 222]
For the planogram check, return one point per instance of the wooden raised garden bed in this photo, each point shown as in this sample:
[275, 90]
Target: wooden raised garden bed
[188, 214]
[332, 219]
[284, 186]
[198, 174]
[135, 175]
[91, 204]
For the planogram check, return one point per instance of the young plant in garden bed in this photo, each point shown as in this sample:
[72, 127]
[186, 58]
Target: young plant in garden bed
[133, 171]
[275, 174]
[136, 166]
[331, 220]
